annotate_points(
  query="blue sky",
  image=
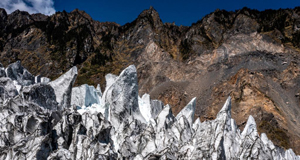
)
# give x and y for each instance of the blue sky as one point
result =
(182, 12)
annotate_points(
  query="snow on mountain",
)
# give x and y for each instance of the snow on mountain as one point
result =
(52, 120)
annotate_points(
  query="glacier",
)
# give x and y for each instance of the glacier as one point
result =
(44, 119)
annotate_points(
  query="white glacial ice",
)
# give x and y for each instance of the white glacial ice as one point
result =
(188, 111)
(117, 124)
(145, 107)
(63, 87)
(85, 95)
(121, 94)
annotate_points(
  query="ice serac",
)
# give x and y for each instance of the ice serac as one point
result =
(45, 80)
(7, 88)
(63, 87)
(188, 111)
(40, 79)
(165, 118)
(196, 124)
(110, 79)
(98, 89)
(32, 126)
(156, 107)
(182, 129)
(85, 95)
(250, 137)
(17, 72)
(122, 97)
(226, 109)
(40, 94)
(37, 79)
(250, 128)
(145, 107)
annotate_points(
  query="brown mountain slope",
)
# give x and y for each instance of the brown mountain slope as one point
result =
(252, 56)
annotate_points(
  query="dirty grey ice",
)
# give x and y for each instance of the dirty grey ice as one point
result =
(44, 119)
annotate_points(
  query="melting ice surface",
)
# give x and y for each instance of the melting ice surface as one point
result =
(43, 119)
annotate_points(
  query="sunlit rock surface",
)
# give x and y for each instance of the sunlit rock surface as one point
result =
(56, 121)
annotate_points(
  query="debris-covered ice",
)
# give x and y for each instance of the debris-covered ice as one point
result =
(43, 119)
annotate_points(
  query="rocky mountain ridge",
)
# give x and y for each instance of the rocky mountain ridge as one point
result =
(250, 55)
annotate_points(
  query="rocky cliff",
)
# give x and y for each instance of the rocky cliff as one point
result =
(250, 55)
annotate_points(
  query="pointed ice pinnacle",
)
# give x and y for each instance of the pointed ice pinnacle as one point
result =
(264, 138)
(145, 107)
(196, 124)
(250, 128)
(110, 79)
(156, 107)
(122, 96)
(63, 87)
(226, 108)
(289, 154)
(98, 89)
(188, 111)
(165, 118)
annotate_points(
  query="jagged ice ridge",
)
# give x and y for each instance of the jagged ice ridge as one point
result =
(43, 119)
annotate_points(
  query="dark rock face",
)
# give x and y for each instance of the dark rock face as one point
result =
(252, 56)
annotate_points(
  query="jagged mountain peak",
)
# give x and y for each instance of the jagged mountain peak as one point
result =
(81, 13)
(19, 12)
(3, 14)
(150, 15)
(151, 12)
